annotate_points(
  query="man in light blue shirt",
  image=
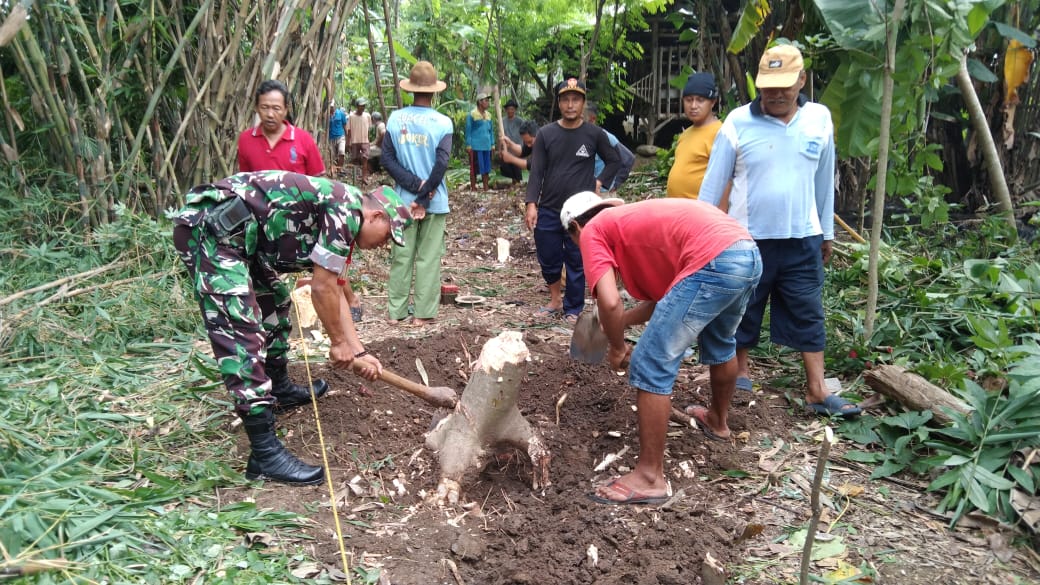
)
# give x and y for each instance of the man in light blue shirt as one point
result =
(779, 153)
(415, 153)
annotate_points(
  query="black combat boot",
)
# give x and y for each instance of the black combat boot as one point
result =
(269, 459)
(289, 395)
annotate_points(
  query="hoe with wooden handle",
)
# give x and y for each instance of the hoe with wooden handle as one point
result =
(436, 395)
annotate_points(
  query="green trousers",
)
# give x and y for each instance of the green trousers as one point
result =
(421, 256)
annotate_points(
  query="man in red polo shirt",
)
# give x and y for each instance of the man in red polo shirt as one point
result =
(275, 143)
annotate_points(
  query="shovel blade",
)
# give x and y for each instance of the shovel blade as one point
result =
(588, 342)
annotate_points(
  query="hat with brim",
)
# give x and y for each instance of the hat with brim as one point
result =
(779, 67)
(423, 79)
(581, 203)
(483, 96)
(571, 84)
(400, 217)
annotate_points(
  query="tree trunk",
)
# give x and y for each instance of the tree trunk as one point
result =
(487, 416)
(997, 182)
(913, 391)
(586, 55)
(393, 53)
(735, 69)
(878, 213)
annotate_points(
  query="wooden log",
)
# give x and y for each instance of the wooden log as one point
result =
(913, 391)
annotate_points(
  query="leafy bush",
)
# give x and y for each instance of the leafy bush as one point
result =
(962, 316)
(983, 449)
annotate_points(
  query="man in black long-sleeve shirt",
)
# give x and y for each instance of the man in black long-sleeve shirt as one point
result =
(563, 163)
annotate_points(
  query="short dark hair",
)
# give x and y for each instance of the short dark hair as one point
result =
(529, 127)
(269, 86)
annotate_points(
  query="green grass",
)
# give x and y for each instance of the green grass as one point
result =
(111, 441)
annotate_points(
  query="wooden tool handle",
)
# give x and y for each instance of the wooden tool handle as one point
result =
(439, 396)
(405, 384)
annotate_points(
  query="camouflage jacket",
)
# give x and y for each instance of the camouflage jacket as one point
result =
(298, 221)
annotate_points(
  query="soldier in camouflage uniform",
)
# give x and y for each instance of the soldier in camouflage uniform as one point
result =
(236, 236)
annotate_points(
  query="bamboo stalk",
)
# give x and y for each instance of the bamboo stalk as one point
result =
(393, 53)
(80, 276)
(8, 120)
(375, 62)
(279, 38)
(67, 294)
(160, 85)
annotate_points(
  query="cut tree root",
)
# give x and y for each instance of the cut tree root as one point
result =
(485, 417)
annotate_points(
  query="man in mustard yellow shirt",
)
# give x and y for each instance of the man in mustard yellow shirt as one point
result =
(694, 147)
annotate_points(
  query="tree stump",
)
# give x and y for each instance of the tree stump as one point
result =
(485, 417)
(913, 391)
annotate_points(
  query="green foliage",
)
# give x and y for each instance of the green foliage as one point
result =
(751, 20)
(525, 46)
(901, 436)
(952, 303)
(981, 449)
(110, 439)
(959, 306)
(931, 40)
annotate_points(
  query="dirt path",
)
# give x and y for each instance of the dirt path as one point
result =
(507, 534)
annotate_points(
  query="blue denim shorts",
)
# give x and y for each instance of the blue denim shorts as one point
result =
(706, 308)
(792, 286)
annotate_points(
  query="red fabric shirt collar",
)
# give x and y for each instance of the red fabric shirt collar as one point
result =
(289, 134)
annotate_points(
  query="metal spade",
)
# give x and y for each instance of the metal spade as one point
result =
(588, 342)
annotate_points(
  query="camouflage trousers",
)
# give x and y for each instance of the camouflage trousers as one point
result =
(245, 308)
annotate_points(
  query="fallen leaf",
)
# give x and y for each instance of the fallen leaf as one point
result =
(1028, 507)
(307, 570)
(999, 545)
(750, 531)
(368, 506)
(850, 490)
(820, 550)
(422, 372)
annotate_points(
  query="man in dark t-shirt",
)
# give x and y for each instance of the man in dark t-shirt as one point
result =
(562, 163)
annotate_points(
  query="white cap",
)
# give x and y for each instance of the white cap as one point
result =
(580, 203)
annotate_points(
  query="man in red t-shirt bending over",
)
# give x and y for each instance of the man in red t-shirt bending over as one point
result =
(693, 269)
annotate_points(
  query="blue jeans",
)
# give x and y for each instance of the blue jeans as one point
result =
(705, 307)
(555, 250)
